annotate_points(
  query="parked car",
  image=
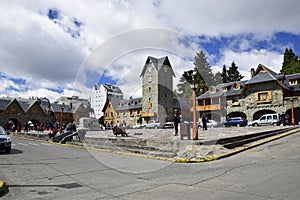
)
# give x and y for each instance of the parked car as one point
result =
(139, 126)
(212, 123)
(267, 119)
(5, 141)
(153, 124)
(168, 125)
(235, 121)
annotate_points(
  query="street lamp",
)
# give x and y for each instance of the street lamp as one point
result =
(61, 115)
(18, 125)
(190, 77)
(292, 112)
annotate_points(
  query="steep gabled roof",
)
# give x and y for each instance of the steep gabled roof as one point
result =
(262, 74)
(4, 103)
(157, 63)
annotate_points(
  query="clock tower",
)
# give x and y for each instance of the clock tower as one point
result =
(157, 86)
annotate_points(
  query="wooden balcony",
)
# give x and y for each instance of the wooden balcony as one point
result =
(149, 114)
(209, 107)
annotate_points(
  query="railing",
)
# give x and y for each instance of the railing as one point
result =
(209, 107)
(149, 114)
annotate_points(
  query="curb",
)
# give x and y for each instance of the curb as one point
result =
(175, 160)
(236, 151)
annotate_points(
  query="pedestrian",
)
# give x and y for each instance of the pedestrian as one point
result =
(204, 122)
(176, 121)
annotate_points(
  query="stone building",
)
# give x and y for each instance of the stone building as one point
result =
(157, 84)
(265, 92)
(157, 102)
(16, 112)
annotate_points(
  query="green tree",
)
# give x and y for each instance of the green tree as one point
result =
(184, 89)
(233, 73)
(204, 76)
(224, 75)
(291, 62)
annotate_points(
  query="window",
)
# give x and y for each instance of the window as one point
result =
(236, 86)
(293, 82)
(149, 79)
(213, 89)
(224, 89)
(166, 69)
(263, 97)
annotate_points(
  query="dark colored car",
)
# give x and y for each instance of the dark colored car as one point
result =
(235, 121)
(5, 141)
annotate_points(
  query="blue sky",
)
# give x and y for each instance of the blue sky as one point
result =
(61, 48)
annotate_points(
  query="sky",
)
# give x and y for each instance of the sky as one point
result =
(62, 48)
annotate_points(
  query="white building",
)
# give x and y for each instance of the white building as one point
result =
(100, 93)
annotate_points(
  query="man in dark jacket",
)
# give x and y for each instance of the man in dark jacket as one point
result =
(176, 121)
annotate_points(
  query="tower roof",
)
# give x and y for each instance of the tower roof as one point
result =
(157, 63)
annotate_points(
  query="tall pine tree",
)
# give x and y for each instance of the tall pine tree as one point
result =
(291, 62)
(204, 76)
(233, 73)
(224, 75)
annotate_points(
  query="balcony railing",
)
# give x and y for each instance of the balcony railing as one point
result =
(149, 114)
(208, 107)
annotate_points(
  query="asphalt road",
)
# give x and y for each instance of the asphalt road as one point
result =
(36, 170)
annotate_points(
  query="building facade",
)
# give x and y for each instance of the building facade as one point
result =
(100, 94)
(16, 112)
(157, 102)
(157, 83)
(265, 92)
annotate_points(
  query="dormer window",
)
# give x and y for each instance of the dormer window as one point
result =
(213, 89)
(293, 82)
(224, 89)
(236, 86)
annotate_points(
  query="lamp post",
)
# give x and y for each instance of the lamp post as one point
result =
(190, 77)
(292, 112)
(18, 125)
(61, 115)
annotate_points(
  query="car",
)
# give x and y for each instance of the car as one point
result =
(212, 123)
(153, 124)
(267, 119)
(5, 141)
(139, 126)
(235, 121)
(168, 125)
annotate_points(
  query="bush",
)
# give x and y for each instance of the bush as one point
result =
(3, 189)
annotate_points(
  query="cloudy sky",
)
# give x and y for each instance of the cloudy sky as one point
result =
(62, 48)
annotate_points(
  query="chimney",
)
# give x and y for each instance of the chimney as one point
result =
(252, 72)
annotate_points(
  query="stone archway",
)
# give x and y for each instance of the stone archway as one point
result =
(296, 115)
(237, 114)
(260, 113)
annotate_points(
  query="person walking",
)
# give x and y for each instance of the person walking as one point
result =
(176, 121)
(204, 122)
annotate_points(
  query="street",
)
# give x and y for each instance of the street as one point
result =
(39, 170)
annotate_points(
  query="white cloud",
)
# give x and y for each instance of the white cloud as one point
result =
(247, 60)
(43, 53)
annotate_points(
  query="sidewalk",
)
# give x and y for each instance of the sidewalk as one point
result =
(163, 143)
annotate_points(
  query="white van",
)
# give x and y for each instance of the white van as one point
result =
(267, 119)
